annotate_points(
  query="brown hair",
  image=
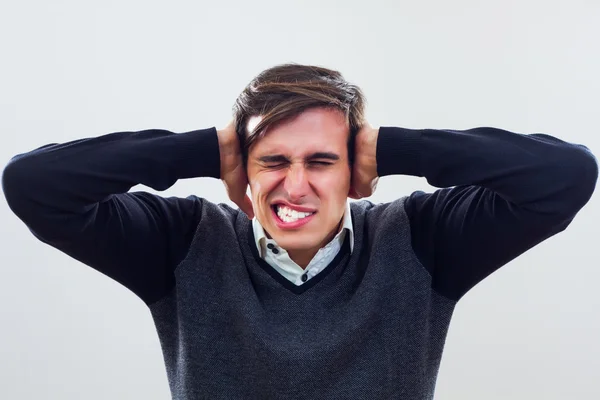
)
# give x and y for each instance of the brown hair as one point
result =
(280, 93)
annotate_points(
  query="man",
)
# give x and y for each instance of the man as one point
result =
(299, 294)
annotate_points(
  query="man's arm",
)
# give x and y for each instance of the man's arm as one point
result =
(73, 196)
(503, 193)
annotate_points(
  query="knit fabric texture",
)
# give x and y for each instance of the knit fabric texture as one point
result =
(368, 326)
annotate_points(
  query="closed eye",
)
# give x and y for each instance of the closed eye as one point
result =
(320, 163)
(275, 166)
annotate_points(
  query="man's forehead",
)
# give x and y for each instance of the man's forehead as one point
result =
(308, 150)
(318, 131)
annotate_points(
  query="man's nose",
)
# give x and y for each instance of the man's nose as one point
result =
(296, 183)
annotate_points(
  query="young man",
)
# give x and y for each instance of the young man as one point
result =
(301, 295)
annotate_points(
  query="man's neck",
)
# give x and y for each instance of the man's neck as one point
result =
(304, 256)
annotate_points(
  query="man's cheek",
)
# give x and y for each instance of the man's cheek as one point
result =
(255, 189)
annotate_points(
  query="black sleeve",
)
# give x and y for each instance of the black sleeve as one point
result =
(74, 196)
(502, 193)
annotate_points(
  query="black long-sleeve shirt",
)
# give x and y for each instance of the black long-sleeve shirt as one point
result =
(501, 194)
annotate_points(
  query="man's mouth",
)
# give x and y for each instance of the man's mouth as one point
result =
(289, 215)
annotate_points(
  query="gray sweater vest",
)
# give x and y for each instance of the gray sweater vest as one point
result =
(368, 326)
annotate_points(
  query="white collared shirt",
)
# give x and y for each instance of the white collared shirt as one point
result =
(279, 259)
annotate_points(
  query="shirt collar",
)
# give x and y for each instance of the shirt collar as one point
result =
(260, 238)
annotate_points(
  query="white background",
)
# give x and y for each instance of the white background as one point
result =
(70, 69)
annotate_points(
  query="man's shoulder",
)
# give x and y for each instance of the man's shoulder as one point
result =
(213, 212)
(216, 223)
(375, 219)
(369, 209)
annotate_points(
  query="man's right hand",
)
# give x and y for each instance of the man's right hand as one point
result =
(233, 173)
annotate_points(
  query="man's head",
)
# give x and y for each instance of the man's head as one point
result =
(296, 125)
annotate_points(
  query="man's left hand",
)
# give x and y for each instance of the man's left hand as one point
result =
(364, 172)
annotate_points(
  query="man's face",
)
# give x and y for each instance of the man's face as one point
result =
(300, 177)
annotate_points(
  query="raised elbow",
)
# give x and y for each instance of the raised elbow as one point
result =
(14, 181)
(584, 178)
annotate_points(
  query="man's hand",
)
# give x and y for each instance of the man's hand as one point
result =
(233, 173)
(364, 171)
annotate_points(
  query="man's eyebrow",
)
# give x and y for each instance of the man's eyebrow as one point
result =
(323, 155)
(275, 158)
(279, 158)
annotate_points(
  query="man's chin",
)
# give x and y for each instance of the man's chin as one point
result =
(290, 243)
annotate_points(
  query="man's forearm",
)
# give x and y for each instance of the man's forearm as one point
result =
(71, 177)
(538, 172)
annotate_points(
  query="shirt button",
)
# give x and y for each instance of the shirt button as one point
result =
(274, 250)
(270, 245)
(304, 278)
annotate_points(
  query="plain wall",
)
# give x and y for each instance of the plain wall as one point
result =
(74, 69)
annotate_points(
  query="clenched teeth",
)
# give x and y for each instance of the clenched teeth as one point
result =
(288, 215)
